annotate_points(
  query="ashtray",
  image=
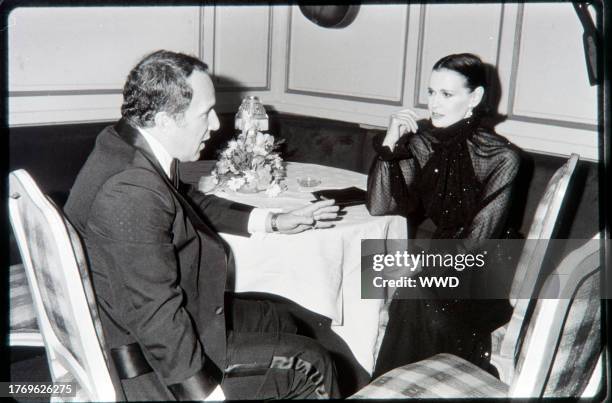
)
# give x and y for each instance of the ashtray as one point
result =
(308, 182)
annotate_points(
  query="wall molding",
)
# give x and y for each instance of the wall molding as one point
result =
(33, 110)
(214, 40)
(103, 91)
(66, 122)
(36, 93)
(555, 122)
(420, 39)
(513, 85)
(228, 88)
(201, 32)
(346, 97)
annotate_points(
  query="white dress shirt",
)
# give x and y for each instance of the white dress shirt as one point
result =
(258, 217)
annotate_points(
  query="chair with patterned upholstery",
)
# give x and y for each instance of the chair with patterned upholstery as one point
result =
(61, 292)
(23, 329)
(555, 357)
(530, 265)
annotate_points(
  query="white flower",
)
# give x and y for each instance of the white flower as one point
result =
(249, 159)
(250, 176)
(258, 161)
(235, 183)
(273, 190)
(260, 150)
(222, 167)
(260, 138)
(231, 146)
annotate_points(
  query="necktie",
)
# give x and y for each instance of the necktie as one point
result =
(174, 171)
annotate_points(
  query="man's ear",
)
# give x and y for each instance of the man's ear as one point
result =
(477, 95)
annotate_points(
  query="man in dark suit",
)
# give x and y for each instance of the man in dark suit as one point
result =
(159, 268)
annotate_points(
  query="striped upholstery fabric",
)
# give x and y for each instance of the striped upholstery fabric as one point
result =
(441, 376)
(22, 313)
(53, 289)
(22, 317)
(580, 344)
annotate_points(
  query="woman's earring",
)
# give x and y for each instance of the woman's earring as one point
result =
(468, 114)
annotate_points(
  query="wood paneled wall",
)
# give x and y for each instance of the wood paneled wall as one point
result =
(68, 64)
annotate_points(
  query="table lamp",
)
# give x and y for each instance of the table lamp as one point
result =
(251, 115)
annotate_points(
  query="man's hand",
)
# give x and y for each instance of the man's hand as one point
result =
(308, 217)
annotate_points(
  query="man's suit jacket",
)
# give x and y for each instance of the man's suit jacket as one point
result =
(159, 277)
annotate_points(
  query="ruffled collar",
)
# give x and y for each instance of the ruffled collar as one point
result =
(444, 137)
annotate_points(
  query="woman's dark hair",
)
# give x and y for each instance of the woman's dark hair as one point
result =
(158, 83)
(468, 65)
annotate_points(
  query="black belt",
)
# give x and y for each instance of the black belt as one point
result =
(130, 361)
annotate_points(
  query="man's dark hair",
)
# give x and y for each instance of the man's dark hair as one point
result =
(158, 83)
(468, 65)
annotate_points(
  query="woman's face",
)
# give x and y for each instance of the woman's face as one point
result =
(449, 99)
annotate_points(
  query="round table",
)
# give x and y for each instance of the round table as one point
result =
(318, 269)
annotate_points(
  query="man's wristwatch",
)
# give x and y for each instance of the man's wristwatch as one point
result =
(273, 222)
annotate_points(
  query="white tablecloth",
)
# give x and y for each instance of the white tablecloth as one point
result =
(318, 269)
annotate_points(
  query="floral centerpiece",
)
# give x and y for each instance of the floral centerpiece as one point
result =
(250, 162)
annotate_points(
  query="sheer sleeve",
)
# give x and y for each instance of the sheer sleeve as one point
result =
(496, 169)
(389, 179)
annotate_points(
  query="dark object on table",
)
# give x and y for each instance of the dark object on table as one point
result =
(343, 197)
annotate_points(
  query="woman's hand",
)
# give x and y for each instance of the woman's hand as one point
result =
(400, 123)
(308, 217)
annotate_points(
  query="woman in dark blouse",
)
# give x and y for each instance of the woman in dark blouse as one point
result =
(452, 170)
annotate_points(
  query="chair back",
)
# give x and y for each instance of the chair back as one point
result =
(61, 291)
(529, 267)
(560, 355)
(562, 341)
(541, 231)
